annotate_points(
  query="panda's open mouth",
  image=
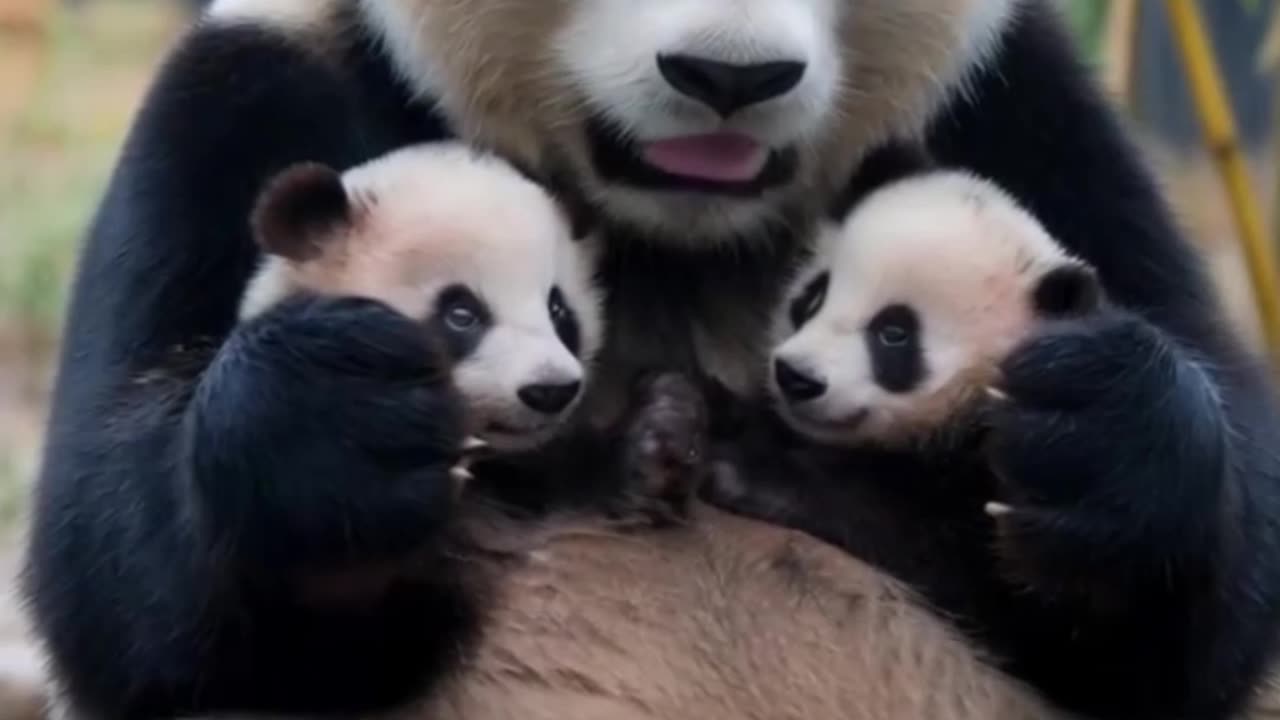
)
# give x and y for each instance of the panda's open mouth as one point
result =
(715, 163)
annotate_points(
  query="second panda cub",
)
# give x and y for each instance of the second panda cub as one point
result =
(895, 329)
(479, 253)
(886, 362)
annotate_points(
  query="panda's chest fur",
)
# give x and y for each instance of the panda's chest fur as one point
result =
(701, 312)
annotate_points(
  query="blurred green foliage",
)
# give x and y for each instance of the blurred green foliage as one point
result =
(1087, 18)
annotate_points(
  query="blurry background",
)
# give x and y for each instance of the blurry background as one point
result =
(72, 71)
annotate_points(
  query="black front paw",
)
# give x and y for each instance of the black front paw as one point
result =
(325, 437)
(763, 471)
(1109, 443)
(665, 444)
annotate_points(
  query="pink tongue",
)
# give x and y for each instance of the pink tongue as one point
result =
(721, 157)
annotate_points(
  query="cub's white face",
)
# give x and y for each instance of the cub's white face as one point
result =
(700, 119)
(485, 258)
(903, 315)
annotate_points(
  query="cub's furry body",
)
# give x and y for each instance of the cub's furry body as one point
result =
(144, 615)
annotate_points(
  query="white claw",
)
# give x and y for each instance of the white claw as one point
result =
(461, 474)
(995, 509)
(473, 444)
(996, 394)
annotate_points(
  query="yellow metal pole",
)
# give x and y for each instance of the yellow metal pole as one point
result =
(1269, 65)
(1219, 128)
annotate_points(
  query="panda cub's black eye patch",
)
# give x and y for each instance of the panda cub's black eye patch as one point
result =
(893, 343)
(565, 321)
(461, 318)
(809, 301)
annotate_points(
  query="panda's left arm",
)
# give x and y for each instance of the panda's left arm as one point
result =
(1140, 449)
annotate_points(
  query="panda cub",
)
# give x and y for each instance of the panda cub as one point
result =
(890, 340)
(483, 255)
(896, 327)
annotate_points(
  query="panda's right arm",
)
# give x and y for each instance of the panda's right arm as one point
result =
(191, 501)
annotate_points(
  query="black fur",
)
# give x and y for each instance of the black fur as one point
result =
(173, 519)
(809, 301)
(1138, 574)
(176, 511)
(898, 361)
(1067, 291)
(565, 320)
(460, 341)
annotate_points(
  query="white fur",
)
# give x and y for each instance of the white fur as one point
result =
(982, 42)
(962, 254)
(21, 664)
(283, 14)
(988, 19)
(617, 74)
(610, 49)
(439, 215)
(511, 80)
(402, 40)
(269, 285)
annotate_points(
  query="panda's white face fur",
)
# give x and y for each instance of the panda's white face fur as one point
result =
(472, 248)
(697, 119)
(907, 308)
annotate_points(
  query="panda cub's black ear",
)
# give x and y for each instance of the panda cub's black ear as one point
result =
(299, 210)
(1069, 290)
(890, 162)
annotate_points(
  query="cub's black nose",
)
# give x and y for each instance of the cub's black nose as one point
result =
(797, 386)
(726, 87)
(549, 398)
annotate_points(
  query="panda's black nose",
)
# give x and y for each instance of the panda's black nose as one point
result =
(549, 398)
(727, 87)
(796, 385)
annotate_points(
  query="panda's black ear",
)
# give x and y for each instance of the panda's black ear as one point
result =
(892, 161)
(1069, 290)
(301, 208)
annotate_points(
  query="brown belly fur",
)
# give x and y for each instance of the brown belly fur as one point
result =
(722, 618)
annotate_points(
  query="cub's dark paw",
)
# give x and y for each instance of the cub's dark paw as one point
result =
(1108, 443)
(665, 445)
(763, 496)
(762, 470)
(327, 435)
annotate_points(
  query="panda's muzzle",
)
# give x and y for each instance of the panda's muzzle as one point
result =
(619, 158)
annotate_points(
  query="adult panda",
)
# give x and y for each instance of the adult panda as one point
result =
(709, 134)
